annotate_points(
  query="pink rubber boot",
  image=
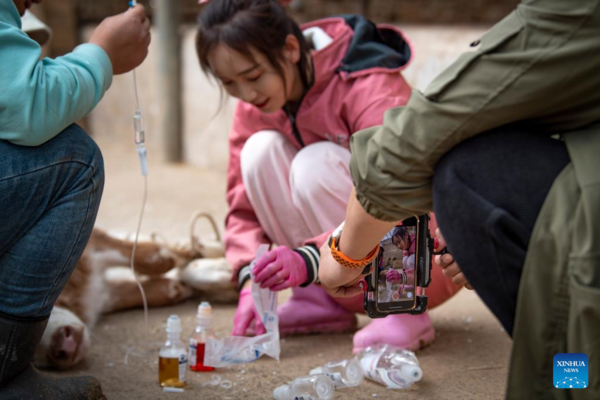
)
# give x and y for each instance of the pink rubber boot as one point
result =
(312, 310)
(411, 332)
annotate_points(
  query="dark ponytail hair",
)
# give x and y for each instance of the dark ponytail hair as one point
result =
(400, 231)
(246, 24)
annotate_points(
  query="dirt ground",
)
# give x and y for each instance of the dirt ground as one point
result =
(468, 360)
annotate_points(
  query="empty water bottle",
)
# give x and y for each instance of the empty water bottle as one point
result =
(345, 373)
(311, 387)
(390, 366)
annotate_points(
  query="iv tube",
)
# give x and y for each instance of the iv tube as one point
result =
(137, 234)
(139, 138)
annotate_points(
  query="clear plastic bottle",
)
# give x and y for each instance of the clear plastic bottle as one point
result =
(345, 373)
(390, 366)
(172, 361)
(198, 338)
(310, 387)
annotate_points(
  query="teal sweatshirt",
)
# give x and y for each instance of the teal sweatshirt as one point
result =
(40, 98)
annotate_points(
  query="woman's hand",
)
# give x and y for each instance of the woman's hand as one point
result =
(246, 314)
(393, 276)
(280, 269)
(339, 281)
(450, 267)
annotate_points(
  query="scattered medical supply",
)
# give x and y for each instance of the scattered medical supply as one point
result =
(215, 380)
(198, 338)
(390, 366)
(172, 361)
(345, 373)
(167, 389)
(226, 384)
(306, 387)
(240, 350)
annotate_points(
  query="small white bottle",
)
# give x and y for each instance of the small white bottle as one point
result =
(310, 387)
(345, 373)
(172, 360)
(198, 338)
(390, 366)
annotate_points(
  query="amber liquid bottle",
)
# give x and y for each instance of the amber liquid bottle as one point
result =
(198, 338)
(172, 360)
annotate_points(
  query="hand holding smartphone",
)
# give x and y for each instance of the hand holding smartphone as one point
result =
(402, 265)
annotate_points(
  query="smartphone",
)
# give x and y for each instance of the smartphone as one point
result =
(401, 267)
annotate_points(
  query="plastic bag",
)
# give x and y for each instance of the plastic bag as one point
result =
(240, 349)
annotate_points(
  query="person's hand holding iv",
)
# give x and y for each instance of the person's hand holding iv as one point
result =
(125, 38)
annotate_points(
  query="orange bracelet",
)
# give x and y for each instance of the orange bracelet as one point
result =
(346, 261)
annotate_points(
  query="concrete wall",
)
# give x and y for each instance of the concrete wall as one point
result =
(412, 11)
(406, 11)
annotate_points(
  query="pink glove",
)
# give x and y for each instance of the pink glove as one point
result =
(280, 269)
(246, 314)
(392, 276)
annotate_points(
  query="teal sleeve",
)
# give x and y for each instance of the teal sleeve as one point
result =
(40, 98)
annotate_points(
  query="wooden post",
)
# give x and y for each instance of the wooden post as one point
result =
(169, 79)
(364, 7)
(61, 16)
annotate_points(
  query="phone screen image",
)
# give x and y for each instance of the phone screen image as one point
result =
(396, 269)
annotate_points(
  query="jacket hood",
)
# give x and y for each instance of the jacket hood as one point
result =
(374, 46)
(359, 47)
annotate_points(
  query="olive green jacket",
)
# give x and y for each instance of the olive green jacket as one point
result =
(538, 69)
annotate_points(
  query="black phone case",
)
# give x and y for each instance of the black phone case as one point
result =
(423, 278)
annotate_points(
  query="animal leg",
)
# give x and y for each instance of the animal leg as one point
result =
(160, 292)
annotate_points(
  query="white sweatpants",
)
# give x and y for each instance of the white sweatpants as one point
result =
(296, 194)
